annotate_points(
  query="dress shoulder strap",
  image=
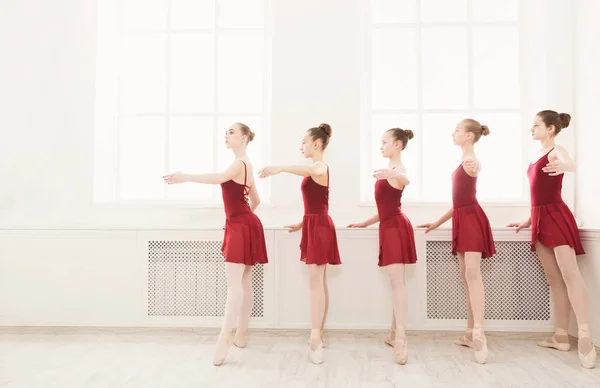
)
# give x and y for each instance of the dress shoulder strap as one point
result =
(245, 171)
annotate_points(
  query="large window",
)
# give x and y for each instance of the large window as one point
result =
(432, 63)
(172, 76)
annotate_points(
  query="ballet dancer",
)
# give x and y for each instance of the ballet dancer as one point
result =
(244, 240)
(396, 235)
(472, 237)
(318, 246)
(555, 236)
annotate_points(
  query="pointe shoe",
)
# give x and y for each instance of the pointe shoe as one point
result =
(588, 360)
(401, 351)
(221, 351)
(389, 341)
(464, 341)
(322, 340)
(240, 341)
(316, 356)
(481, 355)
(552, 343)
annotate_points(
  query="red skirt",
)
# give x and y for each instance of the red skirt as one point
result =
(396, 241)
(244, 240)
(319, 240)
(554, 225)
(471, 231)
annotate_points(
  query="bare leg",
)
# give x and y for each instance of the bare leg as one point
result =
(399, 302)
(317, 302)
(578, 296)
(235, 273)
(240, 339)
(562, 306)
(476, 296)
(392, 337)
(326, 304)
(467, 339)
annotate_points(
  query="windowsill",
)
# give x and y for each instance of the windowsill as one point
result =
(444, 231)
(196, 205)
(519, 204)
(160, 205)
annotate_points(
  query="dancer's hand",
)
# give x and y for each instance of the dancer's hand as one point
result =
(358, 225)
(269, 171)
(429, 227)
(555, 168)
(176, 177)
(385, 173)
(294, 228)
(519, 226)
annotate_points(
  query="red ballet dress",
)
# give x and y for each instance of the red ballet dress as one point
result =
(244, 239)
(471, 230)
(319, 240)
(396, 234)
(552, 223)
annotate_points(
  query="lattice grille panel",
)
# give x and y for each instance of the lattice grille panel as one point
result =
(187, 278)
(514, 282)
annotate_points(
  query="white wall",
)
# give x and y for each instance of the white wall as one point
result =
(587, 100)
(46, 108)
(102, 278)
(587, 86)
(47, 113)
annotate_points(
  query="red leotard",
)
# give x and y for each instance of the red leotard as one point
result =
(319, 240)
(552, 223)
(396, 234)
(244, 240)
(471, 231)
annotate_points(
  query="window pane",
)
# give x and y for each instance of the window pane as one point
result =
(191, 150)
(394, 11)
(105, 140)
(410, 155)
(192, 73)
(445, 68)
(241, 72)
(444, 10)
(496, 67)
(107, 93)
(144, 15)
(192, 14)
(501, 177)
(241, 13)
(394, 69)
(495, 10)
(142, 158)
(440, 155)
(257, 149)
(143, 74)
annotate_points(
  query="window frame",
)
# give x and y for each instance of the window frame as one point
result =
(112, 131)
(367, 112)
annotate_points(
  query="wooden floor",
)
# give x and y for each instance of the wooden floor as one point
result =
(148, 358)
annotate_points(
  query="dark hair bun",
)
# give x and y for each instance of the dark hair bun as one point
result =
(409, 133)
(565, 119)
(485, 130)
(326, 128)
